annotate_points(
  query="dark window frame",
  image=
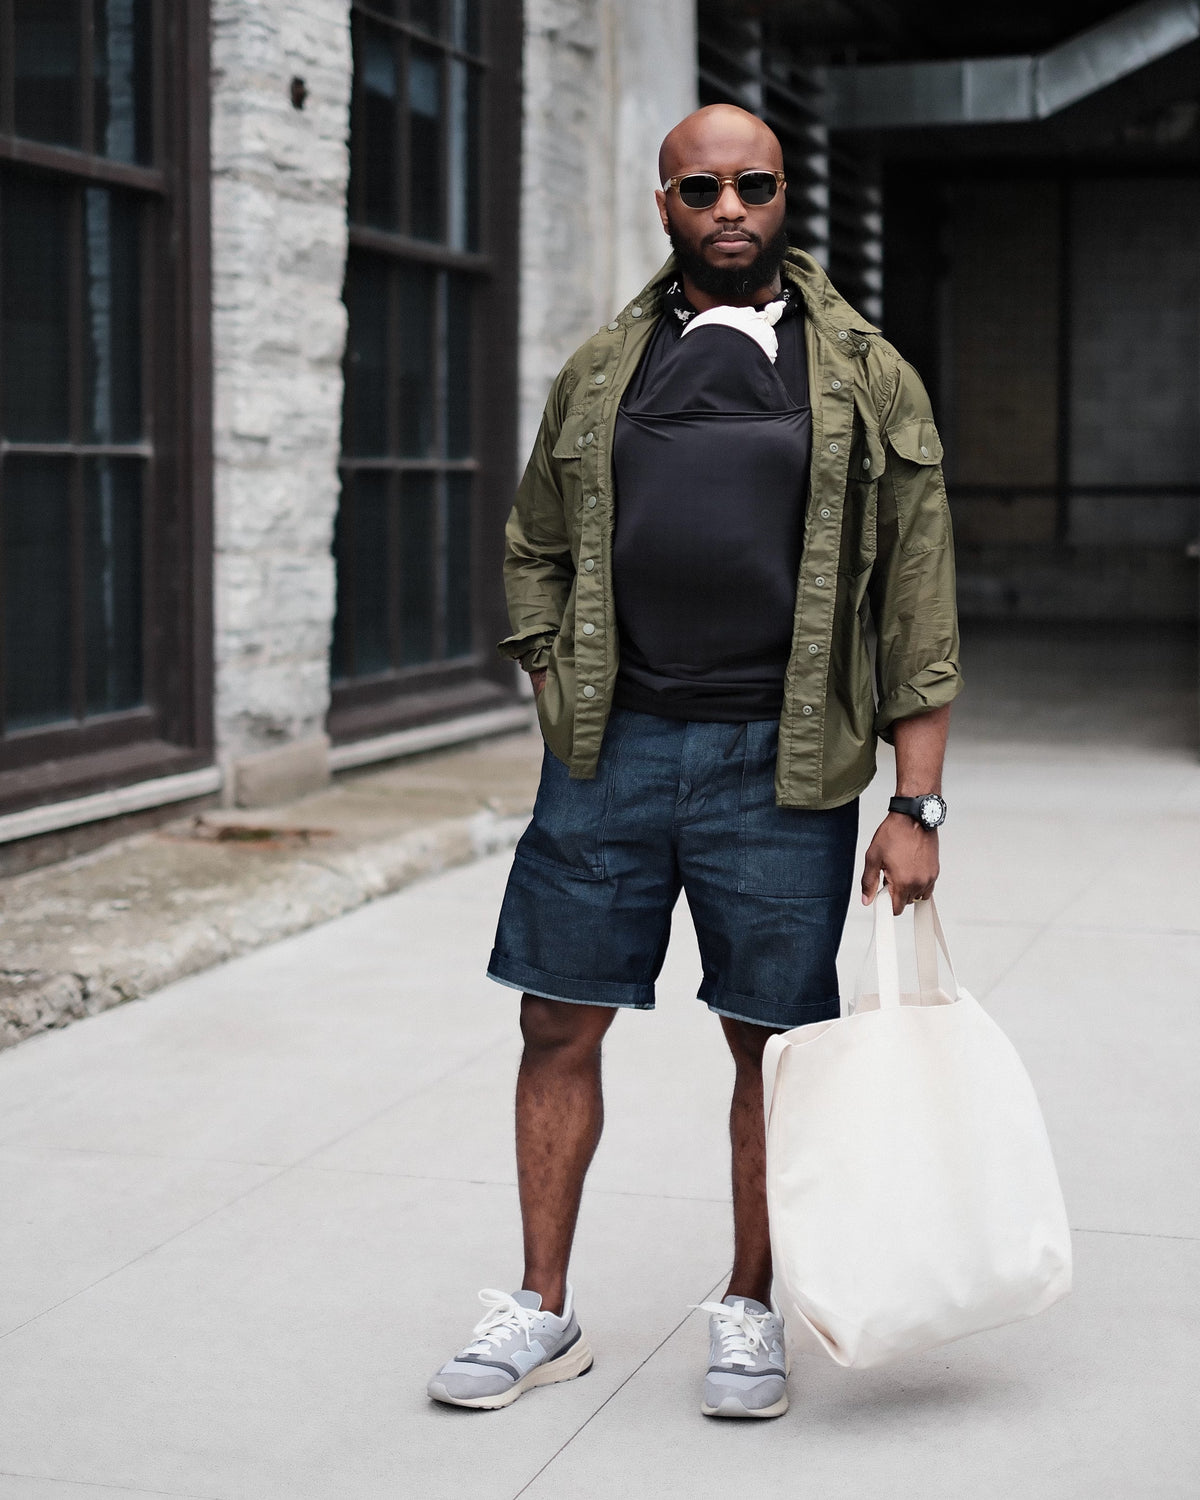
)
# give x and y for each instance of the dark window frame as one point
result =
(399, 696)
(173, 732)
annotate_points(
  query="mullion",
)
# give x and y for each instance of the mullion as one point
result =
(403, 134)
(7, 76)
(152, 688)
(394, 563)
(440, 376)
(87, 77)
(76, 430)
(358, 138)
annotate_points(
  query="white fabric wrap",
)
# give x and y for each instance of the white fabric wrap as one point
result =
(756, 323)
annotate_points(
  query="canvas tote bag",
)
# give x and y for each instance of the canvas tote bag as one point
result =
(912, 1194)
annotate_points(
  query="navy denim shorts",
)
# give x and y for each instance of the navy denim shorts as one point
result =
(679, 805)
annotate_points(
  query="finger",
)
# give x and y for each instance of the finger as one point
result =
(901, 896)
(870, 879)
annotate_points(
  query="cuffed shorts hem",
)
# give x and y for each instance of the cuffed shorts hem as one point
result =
(747, 1008)
(518, 976)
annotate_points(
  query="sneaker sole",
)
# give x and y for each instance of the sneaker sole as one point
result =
(732, 1407)
(569, 1366)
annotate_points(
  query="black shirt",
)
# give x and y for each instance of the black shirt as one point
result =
(711, 457)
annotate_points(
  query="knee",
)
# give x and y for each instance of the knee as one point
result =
(554, 1029)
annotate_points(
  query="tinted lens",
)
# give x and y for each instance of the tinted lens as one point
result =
(756, 188)
(700, 190)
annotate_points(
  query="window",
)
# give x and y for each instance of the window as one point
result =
(103, 415)
(427, 441)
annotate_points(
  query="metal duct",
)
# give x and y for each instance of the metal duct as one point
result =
(1000, 90)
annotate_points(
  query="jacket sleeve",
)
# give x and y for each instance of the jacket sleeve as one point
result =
(912, 585)
(538, 566)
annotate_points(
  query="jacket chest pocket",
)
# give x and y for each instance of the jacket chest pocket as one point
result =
(867, 462)
(575, 440)
(921, 508)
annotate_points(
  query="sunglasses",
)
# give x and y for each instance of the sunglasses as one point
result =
(702, 189)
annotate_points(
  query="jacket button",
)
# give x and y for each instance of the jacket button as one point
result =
(590, 565)
(812, 650)
(613, 326)
(825, 514)
(806, 710)
(589, 629)
(589, 437)
(843, 335)
(590, 692)
(635, 312)
(837, 385)
(819, 581)
(833, 448)
(924, 451)
(866, 463)
(591, 502)
(600, 379)
(579, 442)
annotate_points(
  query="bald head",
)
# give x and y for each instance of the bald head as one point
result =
(715, 135)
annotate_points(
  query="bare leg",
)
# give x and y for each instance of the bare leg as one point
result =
(560, 1113)
(751, 1274)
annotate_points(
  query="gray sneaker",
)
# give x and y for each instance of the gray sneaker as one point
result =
(514, 1346)
(747, 1360)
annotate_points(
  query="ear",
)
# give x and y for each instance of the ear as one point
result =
(661, 199)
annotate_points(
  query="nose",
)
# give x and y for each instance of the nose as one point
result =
(728, 206)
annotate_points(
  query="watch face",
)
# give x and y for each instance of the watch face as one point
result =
(932, 811)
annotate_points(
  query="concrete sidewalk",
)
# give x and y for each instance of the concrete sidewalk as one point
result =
(242, 1220)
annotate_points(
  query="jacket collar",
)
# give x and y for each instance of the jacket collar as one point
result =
(825, 307)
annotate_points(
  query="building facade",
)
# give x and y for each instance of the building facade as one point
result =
(282, 290)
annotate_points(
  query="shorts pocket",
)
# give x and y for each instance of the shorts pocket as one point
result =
(569, 818)
(789, 851)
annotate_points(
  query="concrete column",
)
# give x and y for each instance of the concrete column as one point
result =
(279, 249)
(604, 82)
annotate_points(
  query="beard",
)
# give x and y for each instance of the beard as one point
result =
(731, 283)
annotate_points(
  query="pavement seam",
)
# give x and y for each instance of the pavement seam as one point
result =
(237, 1198)
(104, 1484)
(666, 1338)
(1140, 1234)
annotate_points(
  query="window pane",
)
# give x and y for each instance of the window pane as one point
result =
(425, 168)
(458, 564)
(46, 37)
(464, 24)
(426, 14)
(34, 296)
(121, 69)
(463, 184)
(365, 424)
(112, 582)
(458, 367)
(35, 527)
(416, 288)
(375, 119)
(112, 318)
(366, 553)
(417, 535)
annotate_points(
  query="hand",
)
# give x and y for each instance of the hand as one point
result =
(538, 680)
(907, 855)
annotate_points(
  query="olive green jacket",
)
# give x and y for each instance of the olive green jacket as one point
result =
(877, 551)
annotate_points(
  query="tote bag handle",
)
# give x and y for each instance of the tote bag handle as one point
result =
(928, 936)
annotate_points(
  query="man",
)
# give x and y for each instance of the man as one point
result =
(730, 478)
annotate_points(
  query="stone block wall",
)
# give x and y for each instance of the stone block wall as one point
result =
(604, 82)
(279, 248)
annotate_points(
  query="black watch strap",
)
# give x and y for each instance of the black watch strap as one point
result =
(911, 808)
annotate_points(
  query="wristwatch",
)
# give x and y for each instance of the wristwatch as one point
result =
(928, 811)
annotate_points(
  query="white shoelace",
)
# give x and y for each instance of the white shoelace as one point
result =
(739, 1329)
(504, 1314)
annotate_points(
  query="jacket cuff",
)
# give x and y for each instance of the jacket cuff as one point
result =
(933, 687)
(529, 647)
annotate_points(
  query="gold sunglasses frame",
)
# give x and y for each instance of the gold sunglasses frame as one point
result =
(734, 178)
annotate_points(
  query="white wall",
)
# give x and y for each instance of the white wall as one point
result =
(604, 82)
(279, 250)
